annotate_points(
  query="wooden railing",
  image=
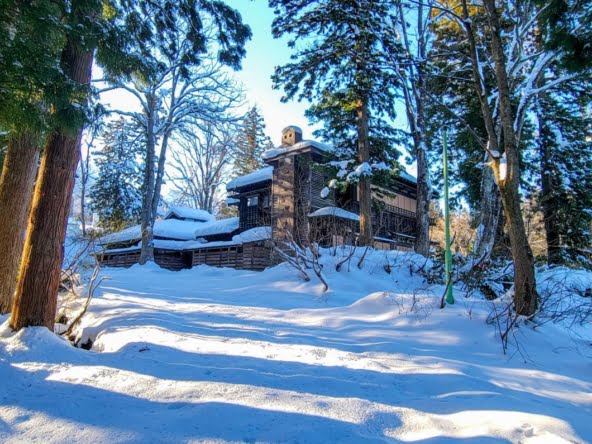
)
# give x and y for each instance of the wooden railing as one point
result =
(388, 220)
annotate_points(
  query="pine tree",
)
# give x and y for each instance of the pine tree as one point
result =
(251, 142)
(346, 46)
(116, 194)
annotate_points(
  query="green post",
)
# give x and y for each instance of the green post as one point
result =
(447, 254)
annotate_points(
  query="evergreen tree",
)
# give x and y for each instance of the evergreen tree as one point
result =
(345, 47)
(251, 142)
(116, 194)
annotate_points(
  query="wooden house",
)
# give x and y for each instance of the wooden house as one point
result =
(286, 201)
(290, 194)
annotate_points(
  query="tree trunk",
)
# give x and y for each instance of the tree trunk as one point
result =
(16, 191)
(159, 176)
(489, 215)
(39, 275)
(525, 293)
(364, 185)
(549, 202)
(147, 225)
(422, 240)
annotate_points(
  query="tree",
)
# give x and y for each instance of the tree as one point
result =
(346, 47)
(251, 141)
(412, 78)
(39, 275)
(116, 194)
(176, 83)
(200, 166)
(28, 53)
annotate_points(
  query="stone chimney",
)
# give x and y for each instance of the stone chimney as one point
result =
(291, 135)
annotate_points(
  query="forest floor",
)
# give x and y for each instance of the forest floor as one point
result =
(219, 355)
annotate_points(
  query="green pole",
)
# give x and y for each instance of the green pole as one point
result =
(447, 254)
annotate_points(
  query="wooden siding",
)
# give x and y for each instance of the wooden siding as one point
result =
(122, 259)
(249, 256)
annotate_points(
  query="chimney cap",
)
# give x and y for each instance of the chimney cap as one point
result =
(292, 128)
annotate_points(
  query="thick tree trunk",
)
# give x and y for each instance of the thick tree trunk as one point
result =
(147, 224)
(525, 293)
(364, 184)
(16, 192)
(39, 275)
(489, 216)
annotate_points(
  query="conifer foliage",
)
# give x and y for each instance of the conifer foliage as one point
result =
(116, 194)
(251, 142)
(346, 46)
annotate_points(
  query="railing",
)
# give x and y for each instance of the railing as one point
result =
(388, 220)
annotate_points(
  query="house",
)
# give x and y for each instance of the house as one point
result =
(290, 195)
(286, 201)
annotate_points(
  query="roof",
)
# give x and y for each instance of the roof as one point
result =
(180, 230)
(262, 175)
(284, 149)
(252, 235)
(335, 212)
(293, 128)
(190, 213)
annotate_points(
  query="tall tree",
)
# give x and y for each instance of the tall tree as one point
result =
(116, 194)
(251, 141)
(29, 48)
(411, 71)
(39, 275)
(346, 45)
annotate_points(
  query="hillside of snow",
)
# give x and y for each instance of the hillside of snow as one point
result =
(220, 355)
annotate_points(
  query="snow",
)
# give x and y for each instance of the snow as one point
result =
(335, 212)
(285, 149)
(253, 235)
(191, 213)
(175, 229)
(221, 355)
(252, 178)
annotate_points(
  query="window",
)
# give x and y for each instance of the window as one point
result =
(266, 201)
(252, 201)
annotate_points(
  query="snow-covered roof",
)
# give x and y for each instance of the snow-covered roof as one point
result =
(253, 235)
(407, 176)
(248, 179)
(181, 230)
(292, 128)
(190, 213)
(335, 212)
(284, 149)
(222, 226)
(129, 234)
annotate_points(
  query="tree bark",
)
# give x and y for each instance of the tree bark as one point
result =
(525, 293)
(16, 191)
(39, 275)
(147, 224)
(364, 185)
(489, 216)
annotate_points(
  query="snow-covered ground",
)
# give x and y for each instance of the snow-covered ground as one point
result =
(218, 355)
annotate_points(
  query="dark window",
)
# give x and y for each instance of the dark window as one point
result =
(266, 201)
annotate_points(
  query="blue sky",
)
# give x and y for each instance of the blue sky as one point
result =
(264, 53)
